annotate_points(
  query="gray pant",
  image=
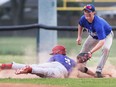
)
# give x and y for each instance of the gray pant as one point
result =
(90, 43)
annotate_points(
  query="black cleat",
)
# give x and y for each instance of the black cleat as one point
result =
(99, 75)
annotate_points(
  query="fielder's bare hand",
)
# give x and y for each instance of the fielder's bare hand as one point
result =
(79, 40)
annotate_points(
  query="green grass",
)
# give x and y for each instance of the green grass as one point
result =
(19, 58)
(16, 45)
(85, 82)
(20, 45)
(18, 48)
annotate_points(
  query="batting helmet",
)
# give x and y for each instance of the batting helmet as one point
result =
(58, 50)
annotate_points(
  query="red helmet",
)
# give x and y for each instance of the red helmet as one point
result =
(58, 50)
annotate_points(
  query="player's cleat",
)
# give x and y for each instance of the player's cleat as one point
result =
(24, 70)
(99, 75)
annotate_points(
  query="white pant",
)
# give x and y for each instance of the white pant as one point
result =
(90, 43)
(49, 70)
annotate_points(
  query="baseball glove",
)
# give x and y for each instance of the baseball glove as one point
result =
(83, 57)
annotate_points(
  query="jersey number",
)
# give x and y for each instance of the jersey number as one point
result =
(68, 61)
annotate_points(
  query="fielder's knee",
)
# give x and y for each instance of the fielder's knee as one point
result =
(106, 51)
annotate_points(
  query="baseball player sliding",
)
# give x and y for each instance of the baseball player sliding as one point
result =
(58, 66)
(100, 36)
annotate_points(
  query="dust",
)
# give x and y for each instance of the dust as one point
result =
(30, 56)
(109, 71)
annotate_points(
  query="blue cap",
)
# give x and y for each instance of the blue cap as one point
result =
(89, 7)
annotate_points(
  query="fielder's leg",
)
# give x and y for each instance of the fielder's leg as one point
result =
(87, 46)
(104, 56)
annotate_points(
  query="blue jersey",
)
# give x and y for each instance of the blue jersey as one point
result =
(98, 29)
(64, 60)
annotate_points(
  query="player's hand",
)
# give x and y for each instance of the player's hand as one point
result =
(79, 41)
(90, 54)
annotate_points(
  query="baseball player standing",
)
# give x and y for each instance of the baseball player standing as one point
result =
(100, 36)
(58, 66)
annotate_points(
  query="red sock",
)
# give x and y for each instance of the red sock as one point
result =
(6, 66)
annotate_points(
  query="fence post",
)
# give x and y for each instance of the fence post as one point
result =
(47, 14)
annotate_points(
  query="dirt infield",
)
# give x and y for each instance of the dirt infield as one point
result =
(75, 74)
(11, 74)
(24, 85)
